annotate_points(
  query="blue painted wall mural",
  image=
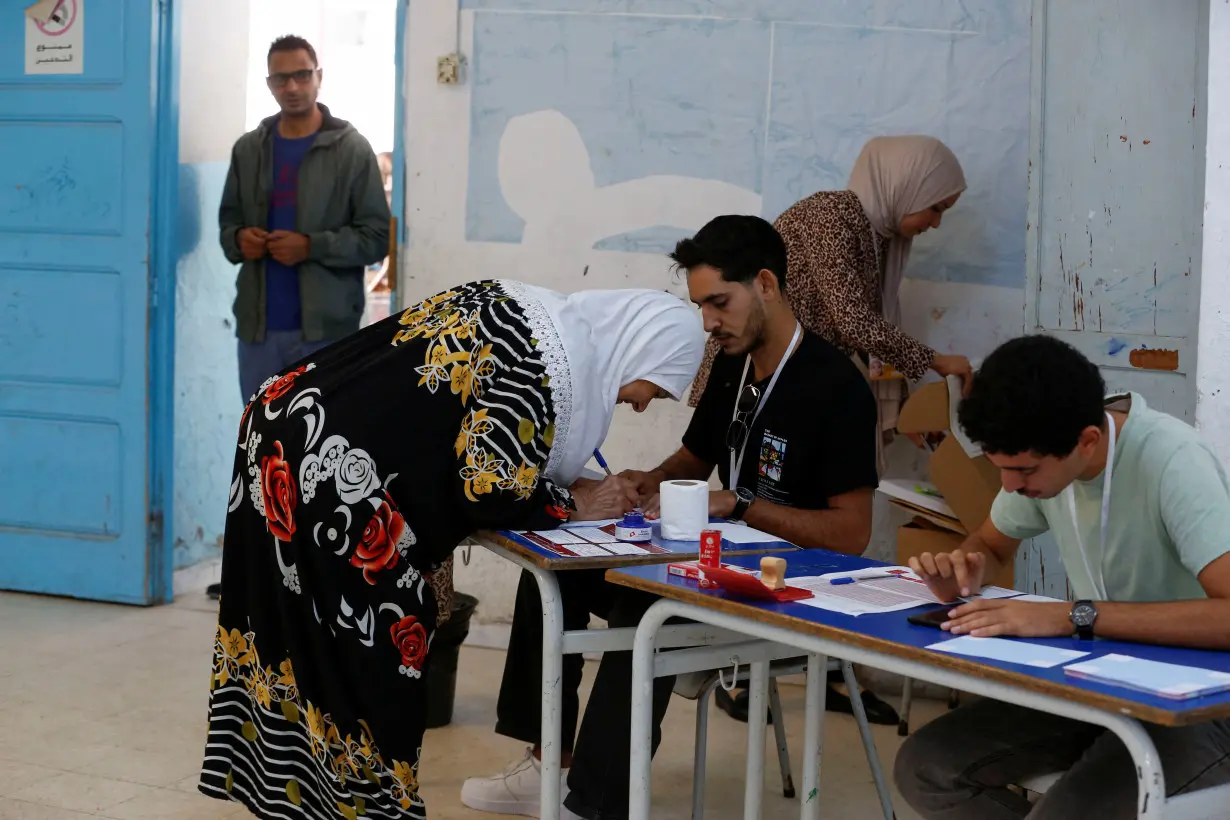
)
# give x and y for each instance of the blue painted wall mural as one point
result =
(775, 98)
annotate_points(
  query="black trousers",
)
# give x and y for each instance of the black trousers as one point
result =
(598, 779)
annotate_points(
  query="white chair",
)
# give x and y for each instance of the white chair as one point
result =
(1035, 787)
(789, 667)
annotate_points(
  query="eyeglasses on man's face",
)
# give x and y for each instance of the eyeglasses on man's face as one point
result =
(282, 79)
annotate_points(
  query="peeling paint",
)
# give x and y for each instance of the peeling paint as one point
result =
(1115, 346)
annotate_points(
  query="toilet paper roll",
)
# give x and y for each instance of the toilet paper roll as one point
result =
(685, 509)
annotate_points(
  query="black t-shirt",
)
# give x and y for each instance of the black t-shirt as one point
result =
(814, 437)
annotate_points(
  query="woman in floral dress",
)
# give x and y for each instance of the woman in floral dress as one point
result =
(357, 472)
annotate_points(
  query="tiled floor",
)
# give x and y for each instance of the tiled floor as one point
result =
(102, 714)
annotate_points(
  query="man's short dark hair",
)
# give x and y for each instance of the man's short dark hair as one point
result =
(1033, 394)
(738, 246)
(292, 42)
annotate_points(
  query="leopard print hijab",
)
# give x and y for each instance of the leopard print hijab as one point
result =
(895, 176)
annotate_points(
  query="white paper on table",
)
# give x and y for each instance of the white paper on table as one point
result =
(588, 550)
(561, 538)
(1166, 679)
(871, 596)
(624, 548)
(603, 522)
(737, 533)
(593, 535)
(1000, 649)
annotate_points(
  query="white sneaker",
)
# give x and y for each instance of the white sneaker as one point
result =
(517, 791)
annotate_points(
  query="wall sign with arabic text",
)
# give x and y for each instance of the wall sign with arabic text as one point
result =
(55, 37)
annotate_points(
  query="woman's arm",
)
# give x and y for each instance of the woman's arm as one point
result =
(502, 450)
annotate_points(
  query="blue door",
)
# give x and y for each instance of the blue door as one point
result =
(86, 266)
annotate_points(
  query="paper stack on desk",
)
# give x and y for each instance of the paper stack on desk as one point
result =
(1010, 651)
(1169, 680)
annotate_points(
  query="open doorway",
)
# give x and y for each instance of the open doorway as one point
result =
(224, 93)
(356, 43)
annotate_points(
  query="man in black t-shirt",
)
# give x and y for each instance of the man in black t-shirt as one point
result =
(784, 408)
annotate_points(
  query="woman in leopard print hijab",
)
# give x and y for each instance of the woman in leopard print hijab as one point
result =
(846, 254)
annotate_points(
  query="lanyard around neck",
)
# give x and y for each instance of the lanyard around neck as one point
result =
(1098, 582)
(736, 459)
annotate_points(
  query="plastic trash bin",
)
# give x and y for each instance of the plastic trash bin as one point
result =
(442, 661)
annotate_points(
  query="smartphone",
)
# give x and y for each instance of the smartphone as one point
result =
(933, 618)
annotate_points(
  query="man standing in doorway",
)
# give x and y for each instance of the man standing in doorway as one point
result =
(304, 212)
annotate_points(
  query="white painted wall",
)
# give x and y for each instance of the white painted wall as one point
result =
(213, 78)
(213, 92)
(1213, 357)
(547, 178)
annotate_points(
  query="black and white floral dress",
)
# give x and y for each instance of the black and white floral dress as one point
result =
(358, 472)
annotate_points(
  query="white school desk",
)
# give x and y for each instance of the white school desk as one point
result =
(889, 642)
(556, 642)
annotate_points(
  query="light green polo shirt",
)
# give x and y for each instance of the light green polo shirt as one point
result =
(1169, 513)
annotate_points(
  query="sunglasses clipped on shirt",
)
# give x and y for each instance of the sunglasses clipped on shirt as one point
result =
(301, 77)
(736, 433)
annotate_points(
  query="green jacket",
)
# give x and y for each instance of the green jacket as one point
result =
(341, 209)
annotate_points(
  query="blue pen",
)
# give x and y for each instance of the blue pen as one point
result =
(848, 580)
(602, 462)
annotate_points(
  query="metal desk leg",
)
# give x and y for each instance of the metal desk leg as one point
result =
(869, 744)
(779, 735)
(640, 776)
(552, 691)
(756, 719)
(813, 734)
(1152, 783)
(702, 749)
(907, 699)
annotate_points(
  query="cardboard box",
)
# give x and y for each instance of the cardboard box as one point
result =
(968, 485)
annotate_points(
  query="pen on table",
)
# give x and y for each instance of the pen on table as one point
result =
(602, 462)
(850, 580)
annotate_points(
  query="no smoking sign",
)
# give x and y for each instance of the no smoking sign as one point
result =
(61, 19)
(55, 37)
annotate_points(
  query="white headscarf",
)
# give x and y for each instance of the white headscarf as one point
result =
(610, 338)
(895, 176)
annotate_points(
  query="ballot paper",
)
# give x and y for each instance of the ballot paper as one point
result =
(869, 594)
(736, 533)
(1009, 651)
(589, 539)
(561, 537)
(1170, 680)
(593, 535)
(903, 590)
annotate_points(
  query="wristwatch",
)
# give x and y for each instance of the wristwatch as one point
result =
(1082, 616)
(743, 499)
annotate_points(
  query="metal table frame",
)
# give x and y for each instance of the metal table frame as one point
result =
(647, 664)
(557, 642)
